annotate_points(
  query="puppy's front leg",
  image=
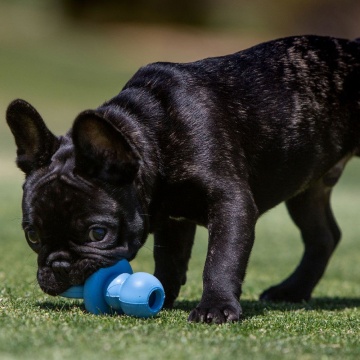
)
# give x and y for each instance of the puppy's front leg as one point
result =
(231, 227)
(172, 250)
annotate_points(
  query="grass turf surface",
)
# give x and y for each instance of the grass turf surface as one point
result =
(61, 71)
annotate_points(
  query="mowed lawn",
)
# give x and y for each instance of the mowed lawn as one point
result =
(63, 69)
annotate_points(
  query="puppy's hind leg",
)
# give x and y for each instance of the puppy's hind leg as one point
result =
(311, 212)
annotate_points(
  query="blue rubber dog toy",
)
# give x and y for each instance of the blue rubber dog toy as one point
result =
(117, 289)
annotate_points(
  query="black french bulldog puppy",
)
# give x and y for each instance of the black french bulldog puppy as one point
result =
(216, 142)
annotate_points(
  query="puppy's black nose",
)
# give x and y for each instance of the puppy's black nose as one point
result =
(61, 269)
(60, 265)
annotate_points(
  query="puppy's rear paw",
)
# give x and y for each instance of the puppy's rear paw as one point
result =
(281, 293)
(215, 315)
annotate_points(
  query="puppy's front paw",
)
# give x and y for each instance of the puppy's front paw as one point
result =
(216, 314)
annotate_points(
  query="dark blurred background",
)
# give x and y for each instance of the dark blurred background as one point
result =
(330, 17)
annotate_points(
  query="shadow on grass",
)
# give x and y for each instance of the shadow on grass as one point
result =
(57, 306)
(252, 308)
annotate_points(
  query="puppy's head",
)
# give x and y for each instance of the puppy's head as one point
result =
(81, 210)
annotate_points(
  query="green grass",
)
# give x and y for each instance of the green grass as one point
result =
(63, 69)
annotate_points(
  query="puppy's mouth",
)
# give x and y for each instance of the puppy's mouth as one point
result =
(59, 271)
(55, 279)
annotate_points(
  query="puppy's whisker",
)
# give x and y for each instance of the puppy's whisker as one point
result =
(17, 221)
(148, 248)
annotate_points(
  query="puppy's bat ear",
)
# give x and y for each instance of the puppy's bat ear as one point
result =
(35, 142)
(101, 150)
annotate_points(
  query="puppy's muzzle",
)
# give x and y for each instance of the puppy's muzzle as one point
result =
(60, 263)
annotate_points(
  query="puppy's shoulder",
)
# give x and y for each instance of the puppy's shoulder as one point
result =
(158, 75)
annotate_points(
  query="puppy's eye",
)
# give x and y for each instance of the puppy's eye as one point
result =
(97, 234)
(33, 237)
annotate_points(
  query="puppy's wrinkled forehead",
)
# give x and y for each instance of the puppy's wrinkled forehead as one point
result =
(58, 192)
(57, 195)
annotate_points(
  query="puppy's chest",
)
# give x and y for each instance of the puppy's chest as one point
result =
(183, 201)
